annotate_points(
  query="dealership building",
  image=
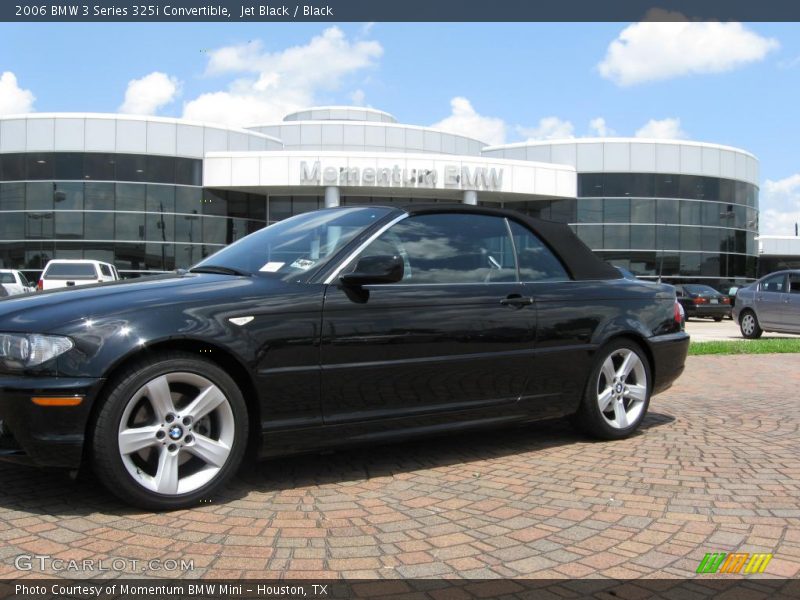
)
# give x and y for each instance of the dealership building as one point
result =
(154, 194)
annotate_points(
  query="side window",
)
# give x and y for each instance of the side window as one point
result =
(7, 278)
(105, 270)
(776, 283)
(450, 248)
(794, 283)
(536, 261)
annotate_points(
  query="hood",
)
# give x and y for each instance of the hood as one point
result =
(49, 311)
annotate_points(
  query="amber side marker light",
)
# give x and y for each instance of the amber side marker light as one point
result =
(73, 401)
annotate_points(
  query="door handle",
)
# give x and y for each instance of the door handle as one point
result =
(516, 300)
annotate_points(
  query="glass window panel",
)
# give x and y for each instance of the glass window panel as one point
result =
(68, 196)
(591, 235)
(536, 261)
(668, 238)
(214, 230)
(160, 227)
(70, 252)
(160, 257)
(12, 226)
(616, 210)
(740, 192)
(690, 238)
(740, 216)
(643, 211)
(256, 207)
(99, 225)
(667, 185)
(643, 237)
(99, 166)
(752, 195)
(215, 203)
(39, 225)
(709, 267)
(129, 196)
(129, 226)
(188, 171)
(131, 167)
(101, 252)
(161, 169)
(188, 228)
(563, 211)
(239, 229)
(691, 212)
(160, 198)
(740, 241)
(690, 263)
(12, 167)
(12, 196)
(187, 255)
(39, 196)
(98, 196)
(691, 186)
(69, 165)
(69, 225)
(188, 200)
(616, 236)
(237, 204)
(590, 185)
(726, 191)
(710, 240)
(129, 257)
(590, 211)
(616, 184)
(710, 188)
(40, 165)
(668, 211)
(303, 204)
(280, 207)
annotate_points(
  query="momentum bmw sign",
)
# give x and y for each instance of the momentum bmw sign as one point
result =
(452, 176)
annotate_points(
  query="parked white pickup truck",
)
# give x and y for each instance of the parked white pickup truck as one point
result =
(15, 282)
(61, 273)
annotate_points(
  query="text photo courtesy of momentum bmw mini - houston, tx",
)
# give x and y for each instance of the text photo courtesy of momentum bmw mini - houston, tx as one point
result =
(328, 304)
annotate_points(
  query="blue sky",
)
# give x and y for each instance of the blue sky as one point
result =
(736, 86)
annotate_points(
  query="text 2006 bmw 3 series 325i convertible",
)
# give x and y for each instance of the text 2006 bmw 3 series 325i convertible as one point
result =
(345, 325)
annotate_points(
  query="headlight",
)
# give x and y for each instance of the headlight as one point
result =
(29, 350)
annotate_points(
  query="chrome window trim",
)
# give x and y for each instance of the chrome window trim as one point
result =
(346, 262)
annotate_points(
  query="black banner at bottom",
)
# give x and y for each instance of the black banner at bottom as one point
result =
(400, 589)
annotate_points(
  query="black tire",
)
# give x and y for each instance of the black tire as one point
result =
(749, 326)
(106, 454)
(717, 319)
(589, 417)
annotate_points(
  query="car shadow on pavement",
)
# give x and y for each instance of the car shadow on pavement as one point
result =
(25, 490)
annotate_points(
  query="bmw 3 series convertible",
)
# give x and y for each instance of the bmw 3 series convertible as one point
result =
(342, 326)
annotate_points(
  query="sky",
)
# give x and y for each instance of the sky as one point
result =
(728, 83)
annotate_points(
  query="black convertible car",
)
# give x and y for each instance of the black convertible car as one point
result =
(339, 326)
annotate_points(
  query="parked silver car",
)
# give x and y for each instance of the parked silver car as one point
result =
(770, 304)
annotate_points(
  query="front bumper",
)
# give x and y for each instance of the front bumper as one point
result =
(669, 358)
(45, 436)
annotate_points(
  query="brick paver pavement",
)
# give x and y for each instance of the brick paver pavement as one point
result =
(716, 467)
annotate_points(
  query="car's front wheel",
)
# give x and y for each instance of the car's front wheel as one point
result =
(618, 392)
(748, 324)
(171, 431)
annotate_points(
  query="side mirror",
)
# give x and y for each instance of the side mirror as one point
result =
(375, 269)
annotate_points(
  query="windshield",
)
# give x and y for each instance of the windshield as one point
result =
(294, 245)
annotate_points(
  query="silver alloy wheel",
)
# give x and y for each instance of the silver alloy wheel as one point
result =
(622, 388)
(748, 324)
(176, 433)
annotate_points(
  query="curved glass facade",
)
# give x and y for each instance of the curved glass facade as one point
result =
(139, 212)
(675, 226)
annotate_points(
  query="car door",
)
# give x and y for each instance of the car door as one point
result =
(791, 306)
(769, 300)
(457, 332)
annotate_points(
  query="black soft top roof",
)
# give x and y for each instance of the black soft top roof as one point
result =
(579, 260)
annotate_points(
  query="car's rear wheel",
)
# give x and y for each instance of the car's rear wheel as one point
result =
(618, 391)
(748, 324)
(171, 431)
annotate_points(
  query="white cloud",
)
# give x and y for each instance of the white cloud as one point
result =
(780, 206)
(599, 127)
(146, 95)
(14, 99)
(272, 84)
(652, 51)
(465, 120)
(661, 129)
(358, 97)
(548, 128)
